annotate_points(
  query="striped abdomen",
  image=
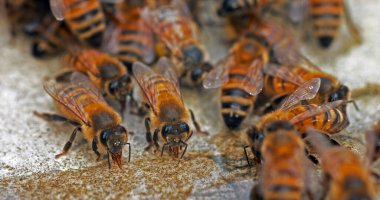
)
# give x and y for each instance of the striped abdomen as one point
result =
(135, 43)
(331, 121)
(236, 103)
(51, 39)
(326, 18)
(86, 20)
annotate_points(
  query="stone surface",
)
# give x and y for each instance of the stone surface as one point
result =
(214, 165)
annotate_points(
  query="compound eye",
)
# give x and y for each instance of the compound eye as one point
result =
(166, 130)
(184, 127)
(114, 85)
(104, 136)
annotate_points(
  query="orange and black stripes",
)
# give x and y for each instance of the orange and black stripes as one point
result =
(134, 41)
(86, 20)
(326, 18)
(236, 103)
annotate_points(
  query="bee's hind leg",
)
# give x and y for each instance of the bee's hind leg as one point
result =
(69, 143)
(54, 118)
(197, 126)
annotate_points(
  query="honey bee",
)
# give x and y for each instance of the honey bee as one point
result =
(240, 77)
(175, 27)
(329, 117)
(84, 107)
(131, 39)
(280, 81)
(106, 72)
(84, 18)
(52, 37)
(346, 176)
(283, 173)
(168, 117)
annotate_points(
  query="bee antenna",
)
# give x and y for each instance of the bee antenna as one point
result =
(129, 150)
(355, 105)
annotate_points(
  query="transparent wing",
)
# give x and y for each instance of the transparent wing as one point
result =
(148, 81)
(63, 94)
(254, 81)
(284, 73)
(166, 68)
(149, 53)
(110, 42)
(306, 91)
(82, 80)
(318, 139)
(316, 111)
(298, 10)
(219, 74)
(58, 9)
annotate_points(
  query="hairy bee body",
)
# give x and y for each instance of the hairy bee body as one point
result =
(85, 19)
(84, 107)
(326, 18)
(51, 38)
(331, 121)
(283, 172)
(135, 40)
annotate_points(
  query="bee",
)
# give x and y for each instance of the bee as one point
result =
(240, 77)
(169, 116)
(176, 29)
(84, 18)
(280, 81)
(329, 117)
(283, 172)
(346, 176)
(106, 72)
(52, 37)
(83, 106)
(131, 39)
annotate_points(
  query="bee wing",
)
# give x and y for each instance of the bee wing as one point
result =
(298, 10)
(219, 74)
(149, 53)
(58, 92)
(319, 140)
(283, 72)
(254, 81)
(167, 69)
(58, 8)
(181, 5)
(144, 76)
(315, 111)
(110, 41)
(82, 80)
(306, 91)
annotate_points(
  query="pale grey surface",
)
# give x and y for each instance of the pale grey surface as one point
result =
(212, 166)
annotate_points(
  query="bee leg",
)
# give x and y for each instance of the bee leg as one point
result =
(148, 134)
(155, 138)
(184, 151)
(95, 148)
(255, 193)
(54, 117)
(122, 107)
(163, 148)
(197, 127)
(109, 160)
(246, 155)
(132, 101)
(351, 26)
(69, 143)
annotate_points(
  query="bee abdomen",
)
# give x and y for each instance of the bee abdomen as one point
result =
(236, 104)
(326, 16)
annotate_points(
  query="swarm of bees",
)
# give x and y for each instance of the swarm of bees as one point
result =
(111, 46)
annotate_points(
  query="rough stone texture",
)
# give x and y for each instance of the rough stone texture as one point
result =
(214, 165)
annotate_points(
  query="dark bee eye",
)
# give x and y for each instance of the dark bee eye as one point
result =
(114, 86)
(184, 127)
(104, 136)
(196, 74)
(166, 130)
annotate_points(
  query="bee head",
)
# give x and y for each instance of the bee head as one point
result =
(174, 133)
(198, 73)
(120, 87)
(341, 94)
(192, 56)
(114, 139)
(229, 7)
(254, 135)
